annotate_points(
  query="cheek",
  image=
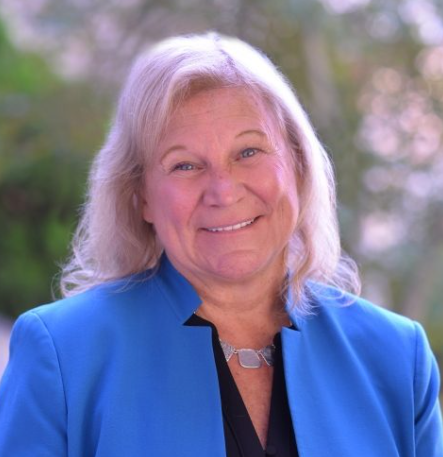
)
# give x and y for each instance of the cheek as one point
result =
(281, 191)
(167, 205)
(276, 182)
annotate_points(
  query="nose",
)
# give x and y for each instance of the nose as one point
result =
(223, 189)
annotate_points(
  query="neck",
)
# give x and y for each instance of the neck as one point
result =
(246, 314)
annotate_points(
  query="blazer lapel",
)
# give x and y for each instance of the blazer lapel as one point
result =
(193, 412)
(334, 408)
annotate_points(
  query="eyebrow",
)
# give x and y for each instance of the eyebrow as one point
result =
(180, 147)
(172, 149)
(252, 131)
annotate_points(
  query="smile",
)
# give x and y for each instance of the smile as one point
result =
(230, 228)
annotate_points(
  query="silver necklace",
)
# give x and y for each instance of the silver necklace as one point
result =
(249, 358)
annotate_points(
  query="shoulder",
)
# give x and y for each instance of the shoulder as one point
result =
(106, 305)
(378, 338)
(381, 340)
(358, 318)
(77, 336)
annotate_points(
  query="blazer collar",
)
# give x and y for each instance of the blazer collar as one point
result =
(178, 291)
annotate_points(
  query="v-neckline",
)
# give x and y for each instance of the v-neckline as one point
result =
(240, 432)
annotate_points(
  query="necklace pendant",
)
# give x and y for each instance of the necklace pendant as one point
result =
(248, 358)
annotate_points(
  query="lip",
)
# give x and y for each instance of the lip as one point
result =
(231, 228)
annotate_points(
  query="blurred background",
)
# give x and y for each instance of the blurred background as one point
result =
(369, 73)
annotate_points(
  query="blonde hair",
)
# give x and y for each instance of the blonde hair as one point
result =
(112, 239)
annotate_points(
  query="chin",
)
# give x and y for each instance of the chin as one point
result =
(240, 267)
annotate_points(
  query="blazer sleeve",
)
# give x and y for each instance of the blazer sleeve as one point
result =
(32, 400)
(428, 420)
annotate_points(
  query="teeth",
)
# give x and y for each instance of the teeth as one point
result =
(230, 228)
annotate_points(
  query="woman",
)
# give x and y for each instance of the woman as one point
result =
(201, 316)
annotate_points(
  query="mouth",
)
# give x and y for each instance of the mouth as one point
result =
(231, 228)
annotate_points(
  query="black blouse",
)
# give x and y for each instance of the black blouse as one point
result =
(240, 436)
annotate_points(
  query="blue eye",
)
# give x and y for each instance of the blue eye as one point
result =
(249, 152)
(184, 166)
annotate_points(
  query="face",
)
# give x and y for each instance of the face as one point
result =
(221, 190)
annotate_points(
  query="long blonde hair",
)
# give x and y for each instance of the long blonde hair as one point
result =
(112, 239)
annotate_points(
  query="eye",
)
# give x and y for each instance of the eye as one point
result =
(183, 166)
(249, 152)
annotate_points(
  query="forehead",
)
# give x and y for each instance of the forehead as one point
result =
(226, 108)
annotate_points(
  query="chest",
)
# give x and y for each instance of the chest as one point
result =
(255, 388)
(129, 406)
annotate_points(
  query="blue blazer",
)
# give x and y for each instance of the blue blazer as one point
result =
(113, 372)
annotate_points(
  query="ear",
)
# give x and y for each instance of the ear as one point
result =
(145, 207)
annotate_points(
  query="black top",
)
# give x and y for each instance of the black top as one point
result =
(240, 435)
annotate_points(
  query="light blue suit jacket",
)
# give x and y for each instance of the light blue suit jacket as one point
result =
(114, 372)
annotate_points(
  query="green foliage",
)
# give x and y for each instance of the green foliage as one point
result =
(47, 131)
(22, 72)
(37, 201)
